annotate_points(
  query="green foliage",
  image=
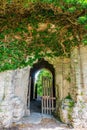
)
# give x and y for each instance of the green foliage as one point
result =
(83, 3)
(70, 1)
(72, 9)
(21, 46)
(2, 36)
(42, 73)
(85, 26)
(71, 102)
(84, 41)
(82, 19)
(68, 96)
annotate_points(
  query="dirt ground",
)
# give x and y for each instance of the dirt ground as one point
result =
(45, 124)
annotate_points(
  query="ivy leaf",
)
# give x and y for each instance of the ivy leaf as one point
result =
(72, 9)
(70, 1)
(85, 26)
(82, 19)
(2, 36)
(83, 3)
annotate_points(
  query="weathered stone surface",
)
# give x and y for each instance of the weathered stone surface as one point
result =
(18, 109)
(21, 80)
(11, 110)
(80, 115)
(70, 77)
(6, 113)
(80, 65)
(13, 95)
(66, 110)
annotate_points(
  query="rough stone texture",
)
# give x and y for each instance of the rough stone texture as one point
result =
(62, 83)
(74, 75)
(13, 95)
(6, 113)
(66, 110)
(18, 108)
(62, 71)
(70, 77)
(80, 115)
(11, 110)
(80, 110)
(21, 80)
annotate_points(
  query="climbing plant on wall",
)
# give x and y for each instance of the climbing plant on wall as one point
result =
(33, 29)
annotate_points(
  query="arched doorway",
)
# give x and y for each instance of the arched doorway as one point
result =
(41, 64)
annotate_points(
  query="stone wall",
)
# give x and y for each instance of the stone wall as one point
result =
(77, 113)
(13, 95)
(63, 87)
(70, 78)
(62, 83)
(21, 80)
(62, 74)
(80, 110)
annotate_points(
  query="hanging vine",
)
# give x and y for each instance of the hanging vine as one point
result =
(40, 29)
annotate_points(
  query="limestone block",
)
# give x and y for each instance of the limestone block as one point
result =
(18, 108)
(6, 113)
(21, 80)
(11, 110)
(8, 77)
(13, 95)
(66, 110)
(64, 115)
(80, 115)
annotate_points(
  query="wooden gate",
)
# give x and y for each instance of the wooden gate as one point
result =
(48, 101)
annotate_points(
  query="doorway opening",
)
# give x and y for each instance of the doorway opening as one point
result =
(36, 102)
(42, 88)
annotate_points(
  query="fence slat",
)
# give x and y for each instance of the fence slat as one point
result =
(47, 98)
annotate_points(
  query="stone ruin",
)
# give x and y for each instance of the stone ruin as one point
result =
(70, 79)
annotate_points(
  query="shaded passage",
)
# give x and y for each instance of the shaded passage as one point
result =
(35, 105)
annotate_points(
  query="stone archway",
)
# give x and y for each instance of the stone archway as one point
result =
(38, 66)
